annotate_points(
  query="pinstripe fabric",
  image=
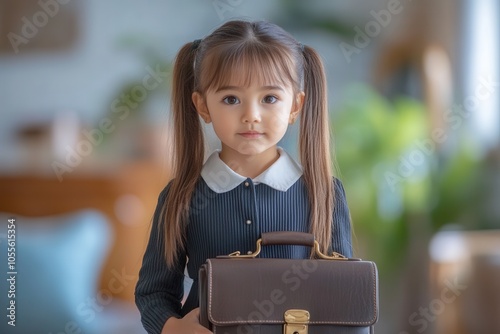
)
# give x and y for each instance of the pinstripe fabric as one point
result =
(221, 223)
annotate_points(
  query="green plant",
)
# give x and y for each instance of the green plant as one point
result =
(395, 174)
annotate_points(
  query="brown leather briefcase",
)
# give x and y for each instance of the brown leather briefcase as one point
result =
(242, 294)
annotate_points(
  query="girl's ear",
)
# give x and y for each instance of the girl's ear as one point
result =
(296, 107)
(201, 107)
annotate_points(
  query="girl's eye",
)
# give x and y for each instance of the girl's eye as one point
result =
(230, 100)
(270, 99)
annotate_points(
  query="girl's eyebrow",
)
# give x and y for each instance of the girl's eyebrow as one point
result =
(240, 88)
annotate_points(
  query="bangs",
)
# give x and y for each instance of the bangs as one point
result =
(248, 63)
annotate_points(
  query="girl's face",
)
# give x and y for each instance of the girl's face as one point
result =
(249, 119)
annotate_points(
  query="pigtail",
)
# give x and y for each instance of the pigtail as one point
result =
(314, 146)
(226, 47)
(188, 154)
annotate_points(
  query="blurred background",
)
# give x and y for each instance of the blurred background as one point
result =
(84, 153)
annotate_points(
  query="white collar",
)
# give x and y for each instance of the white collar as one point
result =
(281, 175)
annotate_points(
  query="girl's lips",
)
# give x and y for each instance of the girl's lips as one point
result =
(251, 134)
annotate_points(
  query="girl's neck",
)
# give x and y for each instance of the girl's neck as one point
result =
(249, 165)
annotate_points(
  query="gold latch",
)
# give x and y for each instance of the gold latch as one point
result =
(296, 322)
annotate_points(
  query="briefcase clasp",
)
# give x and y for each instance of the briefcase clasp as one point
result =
(296, 322)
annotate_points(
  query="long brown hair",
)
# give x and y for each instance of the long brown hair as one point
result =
(266, 52)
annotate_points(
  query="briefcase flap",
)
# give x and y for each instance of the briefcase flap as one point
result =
(260, 291)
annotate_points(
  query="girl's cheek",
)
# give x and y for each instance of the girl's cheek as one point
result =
(279, 121)
(275, 120)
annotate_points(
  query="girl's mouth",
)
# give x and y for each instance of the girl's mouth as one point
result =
(251, 134)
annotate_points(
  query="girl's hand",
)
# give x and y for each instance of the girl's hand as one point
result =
(190, 324)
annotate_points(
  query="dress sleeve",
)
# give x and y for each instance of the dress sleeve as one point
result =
(341, 229)
(159, 290)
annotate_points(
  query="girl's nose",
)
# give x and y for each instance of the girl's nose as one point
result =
(251, 114)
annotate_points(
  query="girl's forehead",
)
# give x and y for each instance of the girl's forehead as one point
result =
(245, 77)
(239, 77)
(245, 69)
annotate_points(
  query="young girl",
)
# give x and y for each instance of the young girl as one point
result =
(250, 80)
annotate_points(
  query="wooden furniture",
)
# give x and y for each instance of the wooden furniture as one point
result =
(465, 282)
(127, 197)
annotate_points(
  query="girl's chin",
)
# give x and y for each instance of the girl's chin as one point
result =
(251, 150)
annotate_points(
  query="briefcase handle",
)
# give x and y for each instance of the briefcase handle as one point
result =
(289, 238)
